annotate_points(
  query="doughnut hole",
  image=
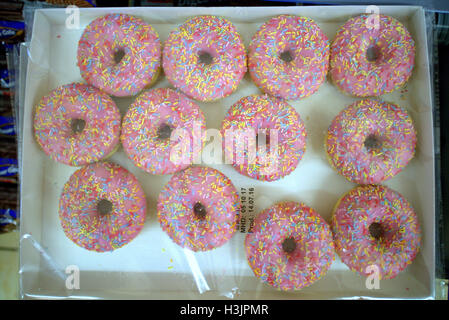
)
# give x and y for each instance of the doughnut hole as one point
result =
(199, 210)
(263, 139)
(164, 131)
(104, 207)
(376, 230)
(287, 55)
(205, 58)
(77, 125)
(118, 55)
(373, 143)
(373, 53)
(289, 245)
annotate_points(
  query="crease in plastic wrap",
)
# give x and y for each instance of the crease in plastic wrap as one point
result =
(152, 266)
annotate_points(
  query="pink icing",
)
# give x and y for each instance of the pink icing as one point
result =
(355, 245)
(307, 45)
(80, 219)
(52, 124)
(261, 113)
(350, 67)
(182, 64)
(215, 192)
(103, 38)
(348, 133)
(289, 270)
(147, 114)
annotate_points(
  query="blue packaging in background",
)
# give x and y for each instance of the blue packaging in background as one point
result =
(7, 126)
(8, 167)
(8, 216)
(5, 81)
(11, 30)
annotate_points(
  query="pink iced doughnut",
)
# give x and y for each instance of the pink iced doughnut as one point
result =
(198, 208)
(290, 247)
(77, 124)
(256, 118)
(371, 56)
(102, 207)
(289, 57)
(119, 54)
(375, 229)
(205, 58)
(161, 130)
(371, 141)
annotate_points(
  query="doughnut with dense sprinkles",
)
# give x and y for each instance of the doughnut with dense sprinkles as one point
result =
(375, 227)
(289, 57)
(290, 246)
(251, 119)
(102, 207)
(148, 126)
(367, 61)
(198, 208)
(77, 124)
(205, 58)
(119, 54)
(371, 141)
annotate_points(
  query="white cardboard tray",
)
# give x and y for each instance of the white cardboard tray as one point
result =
(152, 266)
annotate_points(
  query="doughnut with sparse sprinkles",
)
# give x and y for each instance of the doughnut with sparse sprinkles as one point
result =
(148, 131)
(371, 141)
(290, 246)
(119, 54)
(375, 228)
(205, 58)
(284, 133)
(289, 57)
(198, 208)
(369, 58)
(102, 207)
(77, 124)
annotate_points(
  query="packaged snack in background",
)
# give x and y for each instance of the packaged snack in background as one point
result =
(8, 160)
(7, 126)
(8, 207)
(8, 220)
(12, 31)
(5, 80)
